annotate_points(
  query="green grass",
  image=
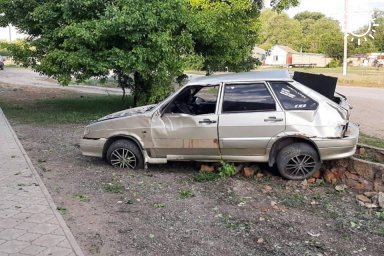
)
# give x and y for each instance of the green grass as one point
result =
(380, 232)
(229, 222)
(64, 110)
(371, 140)
(294, 200)
(159, 205)
(205, 176)
(61, 210)
(226, 170)
(371, 157)
(380, 215)
(80, 197)
(114, 187)
(186, 193)
(356, 76)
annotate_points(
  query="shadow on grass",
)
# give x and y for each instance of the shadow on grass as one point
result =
(65, 110)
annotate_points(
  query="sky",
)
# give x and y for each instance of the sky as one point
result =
(359, 12)
(4, 34)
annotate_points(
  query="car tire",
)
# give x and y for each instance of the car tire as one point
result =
(125, 154)
(298, 161)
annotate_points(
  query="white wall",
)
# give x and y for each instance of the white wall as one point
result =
(320, 60)
(277, 57)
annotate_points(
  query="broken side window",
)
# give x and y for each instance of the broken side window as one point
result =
(291, 98)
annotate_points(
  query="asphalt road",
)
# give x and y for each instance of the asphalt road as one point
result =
(26, 77)
(368, 108)
(368, 103)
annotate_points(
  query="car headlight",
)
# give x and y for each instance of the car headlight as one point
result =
(86, 131)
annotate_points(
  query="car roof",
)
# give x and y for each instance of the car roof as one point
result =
(269, 75)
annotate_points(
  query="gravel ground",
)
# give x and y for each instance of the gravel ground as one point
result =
(236, 216)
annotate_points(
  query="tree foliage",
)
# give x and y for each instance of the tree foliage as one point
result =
(279, 5)
(278, 28)
(378, 15)
(307, 32)
(224, 32)
(307, 15)
(313, 32)
(325, 36)
(146, 43)
(136, 39)
(307, 19)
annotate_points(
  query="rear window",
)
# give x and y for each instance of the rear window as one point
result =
(247, 98)
(291, 98)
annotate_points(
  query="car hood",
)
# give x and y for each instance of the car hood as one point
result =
(127, 112)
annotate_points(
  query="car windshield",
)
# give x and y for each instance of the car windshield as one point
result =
(170, 96)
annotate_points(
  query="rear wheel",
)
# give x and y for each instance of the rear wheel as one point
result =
(125, 154)
(298, 161)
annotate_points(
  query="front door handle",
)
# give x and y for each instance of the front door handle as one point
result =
(273, 119)
(207, 121)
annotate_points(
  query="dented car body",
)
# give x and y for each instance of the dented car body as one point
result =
(263, 116)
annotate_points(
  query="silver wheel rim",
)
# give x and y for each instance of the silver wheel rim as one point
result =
(123, 158)
(300, 165)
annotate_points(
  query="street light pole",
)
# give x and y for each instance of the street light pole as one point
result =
(345, 37)
(10, 32)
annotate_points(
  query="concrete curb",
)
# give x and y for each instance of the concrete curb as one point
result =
(68, 234)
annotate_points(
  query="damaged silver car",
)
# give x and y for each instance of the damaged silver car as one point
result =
(262, 116)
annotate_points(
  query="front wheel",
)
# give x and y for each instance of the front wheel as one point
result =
(298, 161)
(125, 154)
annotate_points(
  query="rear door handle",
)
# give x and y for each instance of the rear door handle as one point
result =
(273, 119)
(207, 121)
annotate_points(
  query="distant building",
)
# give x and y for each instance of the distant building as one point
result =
(259, 53)
(366, 60)
(278, 55)
(357, 60)
(282, 55)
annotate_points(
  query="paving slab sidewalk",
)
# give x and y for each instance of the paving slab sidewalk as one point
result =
(29, 221)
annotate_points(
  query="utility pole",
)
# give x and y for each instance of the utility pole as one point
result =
(345, 38)
(10, 32)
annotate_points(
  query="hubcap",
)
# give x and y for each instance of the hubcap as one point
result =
(123, 158)
(300, 165)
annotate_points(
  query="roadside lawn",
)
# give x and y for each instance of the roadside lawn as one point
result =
(69, 109)
(371, 140)
(166, 210)
(356, 76)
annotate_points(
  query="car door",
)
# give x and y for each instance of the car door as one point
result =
(187, 128)
(248, 120)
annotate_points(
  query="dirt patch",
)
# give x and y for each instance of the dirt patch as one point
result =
(371, 154)
(149, 212)
(149, 217)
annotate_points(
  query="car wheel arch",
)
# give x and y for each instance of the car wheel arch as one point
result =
(120, 137)
(283, 142)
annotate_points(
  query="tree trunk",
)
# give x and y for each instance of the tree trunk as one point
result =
(142, 90)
